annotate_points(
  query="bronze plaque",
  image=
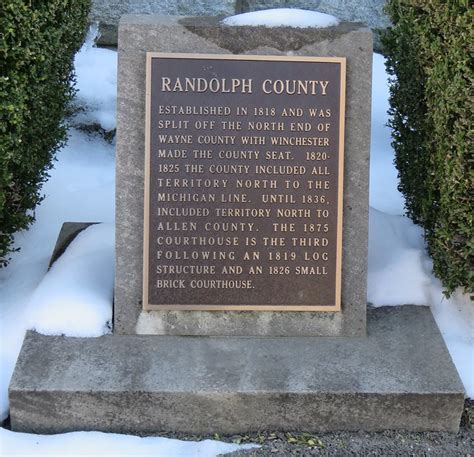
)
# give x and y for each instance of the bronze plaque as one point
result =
(243, 182)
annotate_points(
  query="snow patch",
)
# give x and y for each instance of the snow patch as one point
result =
(100, 444)
(396, 254)
(96, 72)
(75, 297)
(283, 17)
(384, 194)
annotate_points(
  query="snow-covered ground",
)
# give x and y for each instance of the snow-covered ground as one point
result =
(75, 296)
(111, 444)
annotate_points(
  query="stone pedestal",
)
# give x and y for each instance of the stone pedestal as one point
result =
(139, 34)
(399, 377)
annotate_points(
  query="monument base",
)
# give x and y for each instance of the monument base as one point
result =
(399, 377)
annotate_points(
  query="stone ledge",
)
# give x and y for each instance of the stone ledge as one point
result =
(399, 377)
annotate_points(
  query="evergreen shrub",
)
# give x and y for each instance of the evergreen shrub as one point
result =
(38, 40)
(429, 56)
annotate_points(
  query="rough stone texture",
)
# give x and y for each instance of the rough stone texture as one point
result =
(107, 12)
(357, 444)
(139, 34)
(69, 231)
(399, 377)
(369, 12)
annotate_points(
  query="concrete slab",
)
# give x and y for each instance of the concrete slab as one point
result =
(399, 377)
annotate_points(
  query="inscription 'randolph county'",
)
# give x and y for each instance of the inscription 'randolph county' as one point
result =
(243, 182)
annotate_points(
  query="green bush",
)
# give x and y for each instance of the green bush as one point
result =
(429, 51)
(38, 40)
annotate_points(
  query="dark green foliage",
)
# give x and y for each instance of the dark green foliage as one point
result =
(38, 40)
(429, 52)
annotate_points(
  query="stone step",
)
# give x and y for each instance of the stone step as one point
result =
(399, 377)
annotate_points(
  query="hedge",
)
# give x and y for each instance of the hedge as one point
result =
(428, 55)
(38, 40)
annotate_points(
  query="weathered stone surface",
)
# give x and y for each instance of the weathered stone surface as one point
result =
(369, 12)
(399, 377)
(139, 34)
(107, 13)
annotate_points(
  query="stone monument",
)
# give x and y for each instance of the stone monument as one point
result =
(329, 166)
(242, 208)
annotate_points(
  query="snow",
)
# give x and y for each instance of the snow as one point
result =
(96, 84)
(384, 195)
(396, 254)
(283, 17)
(75, 297)
(100, 444)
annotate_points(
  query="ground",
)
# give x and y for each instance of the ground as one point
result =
(365, 444)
